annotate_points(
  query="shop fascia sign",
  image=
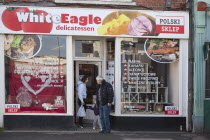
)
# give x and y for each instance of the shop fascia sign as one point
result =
(94, 22)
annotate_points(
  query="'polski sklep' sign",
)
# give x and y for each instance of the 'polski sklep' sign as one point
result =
(171, 110)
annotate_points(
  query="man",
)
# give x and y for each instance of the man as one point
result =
(104, 96)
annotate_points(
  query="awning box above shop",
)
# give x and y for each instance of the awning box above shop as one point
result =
(94, 22)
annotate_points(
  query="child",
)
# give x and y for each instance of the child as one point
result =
(95, 108)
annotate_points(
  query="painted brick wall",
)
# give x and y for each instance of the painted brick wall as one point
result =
(153, 4)
(160, 4)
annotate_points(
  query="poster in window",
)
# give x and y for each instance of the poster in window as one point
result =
(162, 50)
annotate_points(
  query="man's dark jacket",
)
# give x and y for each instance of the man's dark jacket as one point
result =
(107, 93)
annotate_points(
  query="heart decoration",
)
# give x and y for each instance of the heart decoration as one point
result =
(27, 78)
(25, 83)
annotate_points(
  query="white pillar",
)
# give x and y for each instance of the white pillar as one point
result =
(183, 84)
(2, 81)
(70, 76)
(117, 76)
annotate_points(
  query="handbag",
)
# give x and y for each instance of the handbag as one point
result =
(81, 112)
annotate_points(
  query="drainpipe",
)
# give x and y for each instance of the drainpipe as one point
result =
(199, 67)
(191, 71)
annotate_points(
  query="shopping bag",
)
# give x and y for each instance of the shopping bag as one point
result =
(81, 112)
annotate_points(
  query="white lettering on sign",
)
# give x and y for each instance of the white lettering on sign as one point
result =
(170, 29)
(12, 105)
(12, 108)
(22, 17)
(171, 108)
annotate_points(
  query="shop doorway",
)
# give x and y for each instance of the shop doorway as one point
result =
(92, 70)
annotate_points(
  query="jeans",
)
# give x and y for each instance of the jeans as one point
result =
(104, 117)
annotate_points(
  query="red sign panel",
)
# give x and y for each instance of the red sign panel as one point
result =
(171, 110)
(12, 108)
(174, 29)
(170, 24)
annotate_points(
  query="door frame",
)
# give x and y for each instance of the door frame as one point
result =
(99, 63)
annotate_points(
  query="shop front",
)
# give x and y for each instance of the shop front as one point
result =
(143, 54)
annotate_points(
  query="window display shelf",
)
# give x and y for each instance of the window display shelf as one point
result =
(164, 103)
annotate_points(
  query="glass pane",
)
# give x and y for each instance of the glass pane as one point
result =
(87, 48)
(147, 86)
(36, 73)
(110, 63)
(90, 70)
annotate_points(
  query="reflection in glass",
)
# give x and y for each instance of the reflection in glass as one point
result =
(38, 84)
(87, 48)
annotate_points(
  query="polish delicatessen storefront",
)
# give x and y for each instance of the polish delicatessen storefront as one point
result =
(45, 51)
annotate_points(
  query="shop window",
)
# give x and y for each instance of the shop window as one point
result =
(110, 71)
(35, 73)
(87, 48)
(149, 76)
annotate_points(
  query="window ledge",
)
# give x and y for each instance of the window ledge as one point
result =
(105, 2)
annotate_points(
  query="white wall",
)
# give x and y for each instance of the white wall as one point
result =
(173, 83)
(2, 81)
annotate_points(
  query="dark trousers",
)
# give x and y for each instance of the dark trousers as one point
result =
(81, 118)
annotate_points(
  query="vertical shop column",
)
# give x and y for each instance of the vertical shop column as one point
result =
(2, 82)
(70, 78)
(117, 76)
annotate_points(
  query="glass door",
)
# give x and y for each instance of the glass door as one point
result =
(92, 70)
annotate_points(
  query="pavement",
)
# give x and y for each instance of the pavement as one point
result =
(94, 135)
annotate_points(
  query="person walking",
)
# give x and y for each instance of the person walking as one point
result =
(104, 100)
(82, 95)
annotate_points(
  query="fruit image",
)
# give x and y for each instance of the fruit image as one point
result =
(15, 45)
(112, 27)
(8, 39)
(17, 40)
(37, 27)
(10, 19)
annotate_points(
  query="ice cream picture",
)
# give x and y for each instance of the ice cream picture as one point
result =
(128, 23)
(21, 46)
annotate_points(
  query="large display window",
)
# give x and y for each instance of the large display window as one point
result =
(150, 76)
(35, 73)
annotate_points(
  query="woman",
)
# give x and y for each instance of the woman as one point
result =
(82, 94)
